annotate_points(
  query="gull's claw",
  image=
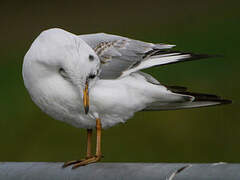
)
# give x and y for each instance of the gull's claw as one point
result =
(69, 163)
(87, 161)
(66, 164)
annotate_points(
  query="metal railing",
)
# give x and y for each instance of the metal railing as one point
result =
(107, 171)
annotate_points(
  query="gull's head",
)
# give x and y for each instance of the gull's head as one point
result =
(60, 64)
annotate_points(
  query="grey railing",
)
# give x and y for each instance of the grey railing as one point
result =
(107, 171)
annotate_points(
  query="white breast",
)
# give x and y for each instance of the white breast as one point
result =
(117, 100)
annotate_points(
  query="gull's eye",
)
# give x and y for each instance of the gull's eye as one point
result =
(91, 57)
(63, 73)
(92, 76)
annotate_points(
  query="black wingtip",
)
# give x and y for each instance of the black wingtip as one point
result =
(189, 56)
(176, 89)
(206, 97)
(226, 101)
(202, 56)
(156, 52)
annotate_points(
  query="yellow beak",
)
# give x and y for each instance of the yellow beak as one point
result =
(86, 98)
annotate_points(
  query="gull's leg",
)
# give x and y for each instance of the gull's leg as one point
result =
(89, 146)
(89, 143)
(98, 155)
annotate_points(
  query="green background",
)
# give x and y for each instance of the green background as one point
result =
(194, 135)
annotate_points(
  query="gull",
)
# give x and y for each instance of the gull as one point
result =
(96, 81)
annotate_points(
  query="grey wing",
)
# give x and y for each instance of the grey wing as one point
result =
(121, 56)
(200, 100)
(118, 53)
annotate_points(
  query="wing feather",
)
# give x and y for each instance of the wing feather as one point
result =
(118, 53)
(200, 100)
(121, 56)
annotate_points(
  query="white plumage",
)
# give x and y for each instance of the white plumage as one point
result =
(57, 65)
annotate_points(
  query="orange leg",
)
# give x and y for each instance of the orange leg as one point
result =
(89, 143)
(89, 146)
(98, 155)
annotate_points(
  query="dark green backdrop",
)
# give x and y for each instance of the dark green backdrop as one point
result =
(195, 135)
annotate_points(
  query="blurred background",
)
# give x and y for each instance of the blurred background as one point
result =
(194, 135)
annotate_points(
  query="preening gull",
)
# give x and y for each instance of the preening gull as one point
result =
(95, 81)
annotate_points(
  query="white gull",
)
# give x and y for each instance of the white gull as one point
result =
(95, 80)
